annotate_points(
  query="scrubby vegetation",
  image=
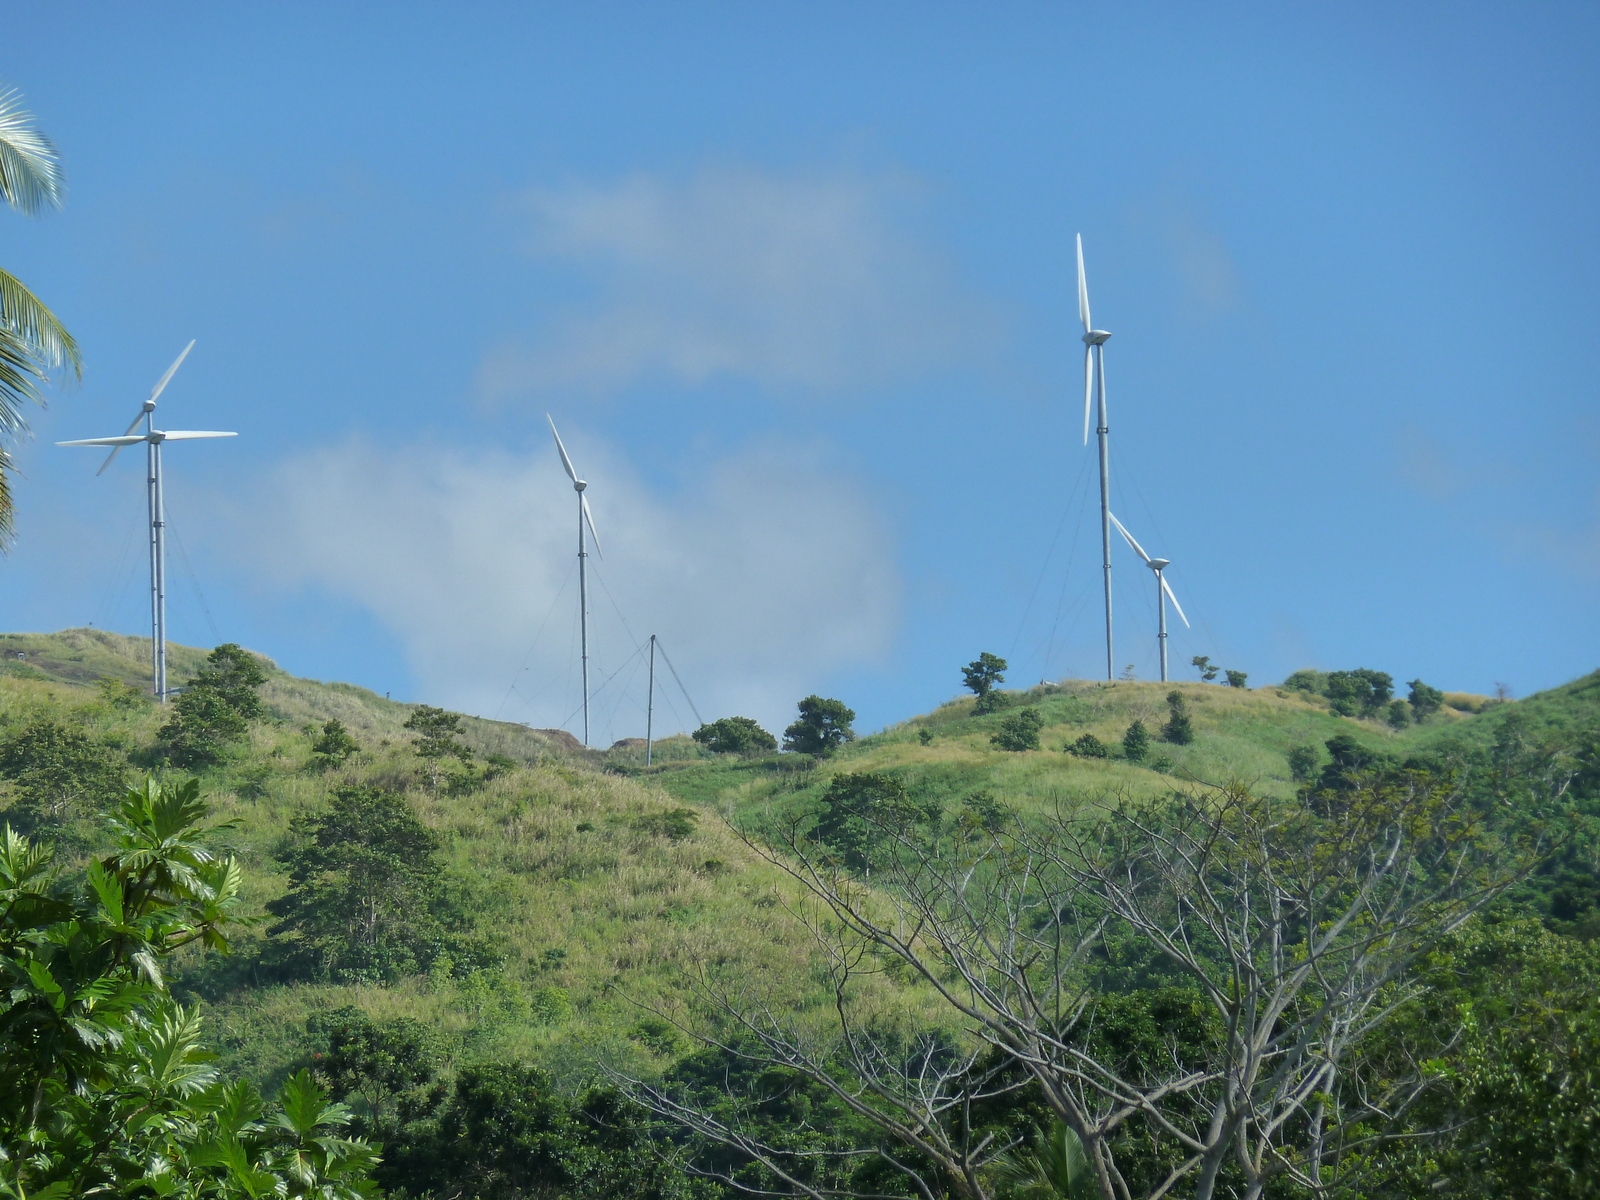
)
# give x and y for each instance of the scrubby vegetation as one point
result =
(947, 959)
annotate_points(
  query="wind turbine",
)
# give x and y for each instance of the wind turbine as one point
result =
(1163, 592)
(584, 517)
(1094, 370)
(153, 439)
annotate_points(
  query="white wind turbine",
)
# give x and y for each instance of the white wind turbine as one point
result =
(1094, 369)
(584, 517)
(153, 439)
(1163, 592)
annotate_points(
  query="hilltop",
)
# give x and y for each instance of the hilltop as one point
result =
(1241, 735)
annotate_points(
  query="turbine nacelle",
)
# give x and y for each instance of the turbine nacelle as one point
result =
(1159, 564)
(1096, 337)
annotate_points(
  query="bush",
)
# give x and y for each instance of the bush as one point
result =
(1399, 714)
(823, 726)
(215, 708)
(60, 777)
(1360, 692)
(367, 900)
(735, 735)
(1088, 746)
(863, 808)
(1304, 762)
(1425, 700)
(334, 746)
(1179, 729)
(675, 824)
(1136, 742)
(1019, 731)
(1236, 679)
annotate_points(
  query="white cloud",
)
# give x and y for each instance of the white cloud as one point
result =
(789, 281)
(770, 575)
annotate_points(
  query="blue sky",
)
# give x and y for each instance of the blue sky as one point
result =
(796, 282)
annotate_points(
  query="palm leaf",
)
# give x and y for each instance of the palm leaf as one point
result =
(30, 173)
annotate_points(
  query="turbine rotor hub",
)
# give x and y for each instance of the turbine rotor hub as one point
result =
(1095, 337)
(578, 485)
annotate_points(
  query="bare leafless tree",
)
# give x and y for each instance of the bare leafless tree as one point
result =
(1295, 926)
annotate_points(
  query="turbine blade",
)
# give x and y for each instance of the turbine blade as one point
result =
(1167, 588)
(134, 424)
(171, 371)
(1083, 289)
(1138, 549)
(107, 462)
(1088, 389)
(183, 435)
(565, 461)
(118, 442)
(589, 517)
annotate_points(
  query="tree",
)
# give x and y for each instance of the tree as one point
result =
(1136, 742)
(1288, 938)
(334, 746)
(1348, 762)
(1398, 714)
(1202, 663)
(215, 707)
(1179, 729)
(388, 1067)
(60, 776)
(1088, 746)
(981, 674)
(33, 343)
(106, 1087)
(823, 726)
(366, 898)
(1236, 679)
(1304, 762)
(735, 735)
(437, 733)
(855, 810)
(1425, 700)
(1019, 731)
(1360, 692)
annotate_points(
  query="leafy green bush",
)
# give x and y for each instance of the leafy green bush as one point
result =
(823, 726)
(215, 708)
(1136, 742)
(367, 899)
(1088, 746)
(334, 746)
(735, 735)
(1425, 700)
(60, 777)
(105, 1085)
(1019, 731)
(863, 809)
(1179, 729)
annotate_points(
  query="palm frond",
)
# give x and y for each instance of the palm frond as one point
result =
(30, 173)
(26, 318)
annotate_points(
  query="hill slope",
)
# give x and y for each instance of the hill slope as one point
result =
(596, 889)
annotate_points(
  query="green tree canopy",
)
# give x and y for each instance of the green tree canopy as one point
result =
(981, 674)
(735, 735)
(1179, 729)
(215, 708)
(367, 897)
(1136, 742)
(1425, 700)
(823, 726)
(1019, 731)
(60, 777)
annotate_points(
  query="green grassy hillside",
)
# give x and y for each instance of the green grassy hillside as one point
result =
(580, 877)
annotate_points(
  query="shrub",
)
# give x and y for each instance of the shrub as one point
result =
(735, 735)
(60, 776)
(1236, 679)
(1136, 742)
(1360, 692)
(925, 736)
(980, 675)
(823, 726)
(675, 824)
(1399, 714)
(1019, 731)
(334, 746)
(1179, 729)
(1425, 700)
(860, 809)
(1304, 762)
(215, 708)
(1088, 746)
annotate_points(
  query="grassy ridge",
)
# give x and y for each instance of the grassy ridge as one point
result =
(1240, 734)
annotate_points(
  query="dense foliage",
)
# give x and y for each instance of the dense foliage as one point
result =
(821, 728)
(105, 1084)
(215, 708)
(735, 735)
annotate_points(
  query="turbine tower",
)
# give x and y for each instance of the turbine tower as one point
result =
(153, 439)
(1094, 372)
(1163, 593)
(578, 486)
